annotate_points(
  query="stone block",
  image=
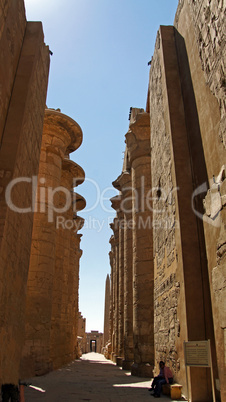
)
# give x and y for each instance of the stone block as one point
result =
(174, 390)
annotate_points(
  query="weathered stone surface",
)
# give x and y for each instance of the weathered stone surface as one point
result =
(52, 291)
(115, 294)
(202, 24)
(185, 171)
(107, 312)
(75, 255)
(111, 318)
(12, 31)
(126, 188)
(94, 341)
(133, 273)
(19, 157)
(187, 129)
(215, 231)
(81, 335)
(116, 203)
(64, 316)
(31, 277)
(164, 222)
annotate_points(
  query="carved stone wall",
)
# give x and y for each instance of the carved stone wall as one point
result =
(12, 30)
(162, 185)
(178, 168)
(186, 102)
(202, 25)
(215, 231)
(24, 68)
(208, 18)
(166, 286)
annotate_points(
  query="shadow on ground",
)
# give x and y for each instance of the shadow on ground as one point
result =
(91, 378)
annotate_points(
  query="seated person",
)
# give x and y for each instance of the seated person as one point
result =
(165, 377)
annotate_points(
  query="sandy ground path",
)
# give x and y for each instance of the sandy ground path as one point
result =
(91, 378)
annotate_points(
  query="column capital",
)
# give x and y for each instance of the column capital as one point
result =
(111, 258)
(78, 201)
(138, 137)
(79, 222)
(76, 171)
(64, 135)
(112, 239)
(115, 202)
(115, 227)
(124, 184)
(123, 181)
(77, 240)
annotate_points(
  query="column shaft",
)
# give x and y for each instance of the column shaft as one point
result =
(41, 269)
(62, 340)
(121, 290)
(143, 272)
(123, 184)
(138, 145)
(116, 290)
(61, 135)
(128, 275)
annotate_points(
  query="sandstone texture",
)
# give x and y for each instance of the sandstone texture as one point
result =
(39, 240)
(178, 256)
(52, 289)
(94, 342)
(81, 337)
(106, 311)
(23, 86)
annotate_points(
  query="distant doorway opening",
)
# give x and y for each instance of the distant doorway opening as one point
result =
(93, 346)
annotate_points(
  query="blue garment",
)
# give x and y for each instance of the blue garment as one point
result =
(159, 383)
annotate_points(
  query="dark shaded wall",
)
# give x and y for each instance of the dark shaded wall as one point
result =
(24, 72)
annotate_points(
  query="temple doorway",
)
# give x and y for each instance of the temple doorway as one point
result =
(93, 346)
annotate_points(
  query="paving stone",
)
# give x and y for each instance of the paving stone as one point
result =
(91, 378)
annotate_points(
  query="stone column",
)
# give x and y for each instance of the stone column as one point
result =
(112, 264)
(64, 282)
(61, 135)
(124, 184)
(115, 346)
(58, 323)
(107, 311)
(116, 205)
(79, 204)
(75, 256)
(138, 145)
(120, 290)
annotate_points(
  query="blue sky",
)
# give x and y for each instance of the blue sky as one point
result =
(98, 70)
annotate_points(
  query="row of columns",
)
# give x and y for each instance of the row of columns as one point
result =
(131, 256)
(52, 289)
